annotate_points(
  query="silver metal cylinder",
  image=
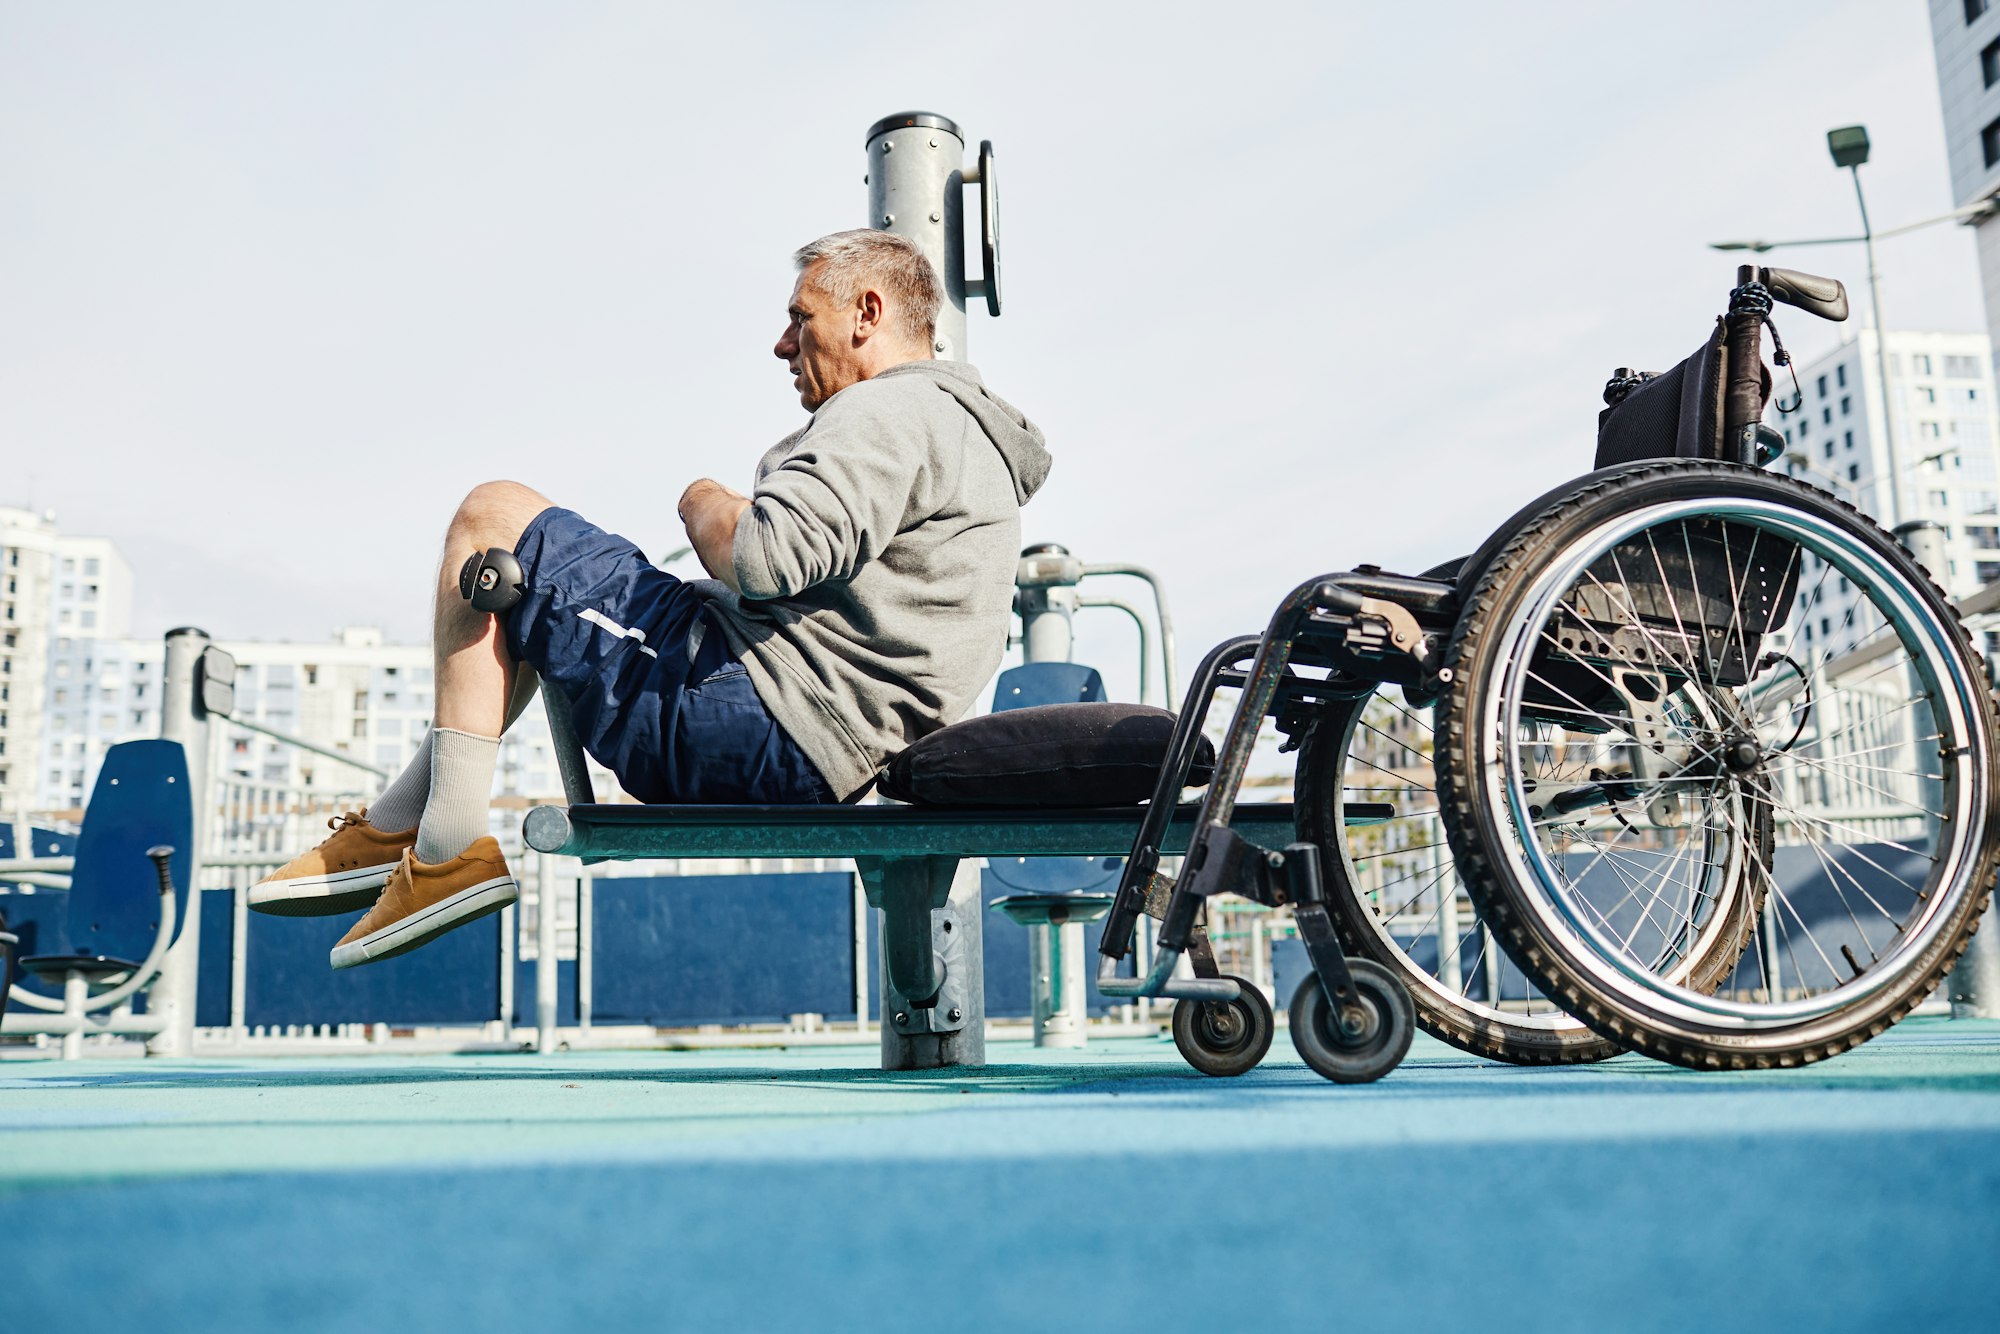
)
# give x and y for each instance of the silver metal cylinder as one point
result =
(1059, 976)
(1046, 599)
(916, 189)
(183, 719)
(1973, 986)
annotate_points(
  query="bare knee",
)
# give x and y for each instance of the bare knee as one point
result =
(495, 514)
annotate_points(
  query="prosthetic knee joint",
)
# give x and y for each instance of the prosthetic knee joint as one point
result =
(492, 580)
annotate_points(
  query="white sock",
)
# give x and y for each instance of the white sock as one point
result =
(401, 804)
(461, 789)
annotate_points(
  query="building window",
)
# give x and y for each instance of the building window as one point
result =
(1920, 362)
(1975, 8)
(1829, 447)
(1853, 472)
(1989, 143)
(1926, 394)
(1929, 430)
(1826, 416)
(1939, 500)
(1961, 368)
(1989, 571)
(1848, 437)
(1846, 405)
(1822, 386)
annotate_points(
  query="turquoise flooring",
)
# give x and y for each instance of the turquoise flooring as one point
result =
(1112, 1189)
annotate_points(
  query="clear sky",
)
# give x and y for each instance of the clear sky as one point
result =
(1289, 287)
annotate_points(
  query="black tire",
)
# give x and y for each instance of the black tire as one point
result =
(1535, 1031)
(1225, 1038)
(1363, 1057)
(1510, 656)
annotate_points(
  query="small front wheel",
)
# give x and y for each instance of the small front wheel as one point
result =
(1375, 1046)
(1225, 1037)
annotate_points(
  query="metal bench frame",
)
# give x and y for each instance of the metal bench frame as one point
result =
(918, 865)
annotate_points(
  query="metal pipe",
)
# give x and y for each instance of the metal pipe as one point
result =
(1145, 637)
(545, 956)
(1169, 667)
(184, 719)
(303, 744)
(585, 942)
(916, 189)
(1881, 356)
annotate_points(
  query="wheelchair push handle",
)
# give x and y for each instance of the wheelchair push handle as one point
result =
(1824, 297)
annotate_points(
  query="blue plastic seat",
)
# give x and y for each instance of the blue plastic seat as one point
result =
(140, 802)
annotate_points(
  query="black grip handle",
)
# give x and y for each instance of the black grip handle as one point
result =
(1824, 297)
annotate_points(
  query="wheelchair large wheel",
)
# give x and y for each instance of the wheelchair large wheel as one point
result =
(1691, 698)
(1395, 893)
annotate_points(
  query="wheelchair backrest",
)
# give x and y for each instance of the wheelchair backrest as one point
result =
(1675, 414)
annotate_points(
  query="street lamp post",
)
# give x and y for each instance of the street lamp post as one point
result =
(1849, 147)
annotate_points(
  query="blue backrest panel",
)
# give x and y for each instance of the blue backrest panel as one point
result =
(141, 799)
(1036, 683)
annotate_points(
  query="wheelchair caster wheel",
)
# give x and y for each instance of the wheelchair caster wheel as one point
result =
(1225, 1037)
(1379, 1041)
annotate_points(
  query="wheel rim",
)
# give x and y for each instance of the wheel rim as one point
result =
(1220, 1027)
(1864, 740)
(1402, 870)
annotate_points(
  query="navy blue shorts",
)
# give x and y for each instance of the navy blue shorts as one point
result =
(611, 631)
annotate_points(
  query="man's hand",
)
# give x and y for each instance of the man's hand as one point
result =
(710, 512)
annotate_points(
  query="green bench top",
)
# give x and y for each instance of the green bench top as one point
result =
(624, 831)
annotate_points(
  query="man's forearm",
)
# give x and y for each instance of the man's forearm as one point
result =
(710, 511)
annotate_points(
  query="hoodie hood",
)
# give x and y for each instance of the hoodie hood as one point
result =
(1020, 442)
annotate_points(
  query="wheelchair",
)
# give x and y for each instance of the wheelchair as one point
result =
(1689, 758)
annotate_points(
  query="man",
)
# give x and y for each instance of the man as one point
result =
(860, 597)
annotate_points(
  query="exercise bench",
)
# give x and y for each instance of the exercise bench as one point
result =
(918, 866)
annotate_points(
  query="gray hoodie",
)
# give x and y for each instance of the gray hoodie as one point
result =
(877, 563)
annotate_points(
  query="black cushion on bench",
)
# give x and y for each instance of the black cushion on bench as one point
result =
(1051, 755)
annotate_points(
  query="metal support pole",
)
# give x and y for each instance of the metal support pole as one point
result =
(545, 956)
(1897, 511)
(1059, 975)
(950, 1029)
(585, 943)
(182, 718)
(916, 189)
(1973, 985)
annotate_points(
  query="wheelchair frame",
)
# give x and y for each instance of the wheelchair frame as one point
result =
(1366, 628)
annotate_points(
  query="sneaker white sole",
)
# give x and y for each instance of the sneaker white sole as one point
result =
(321, 895)
(488, 896)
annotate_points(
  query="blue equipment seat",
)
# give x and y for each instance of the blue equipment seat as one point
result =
(140, 801)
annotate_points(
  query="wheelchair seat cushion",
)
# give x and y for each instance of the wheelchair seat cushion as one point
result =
(1056, 755)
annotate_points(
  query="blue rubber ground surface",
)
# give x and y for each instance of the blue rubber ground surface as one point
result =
(1112, 1189)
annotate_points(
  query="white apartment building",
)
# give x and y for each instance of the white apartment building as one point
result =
(1947, 436)
(355, 694)
(1965, 35)
(74, 683)
(27, 555)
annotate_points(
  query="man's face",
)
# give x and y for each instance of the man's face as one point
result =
(818, 344)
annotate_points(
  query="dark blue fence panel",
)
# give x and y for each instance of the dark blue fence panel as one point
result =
(524, 991)
(1008, 994)
(453, 980)
(40, 919)
(722, 949)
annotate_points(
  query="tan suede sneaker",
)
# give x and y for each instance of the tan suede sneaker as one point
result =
(422, 901)
(343, 874)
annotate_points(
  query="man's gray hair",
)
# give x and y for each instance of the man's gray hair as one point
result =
(850, 262)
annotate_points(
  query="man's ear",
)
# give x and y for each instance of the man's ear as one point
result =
(869, 313)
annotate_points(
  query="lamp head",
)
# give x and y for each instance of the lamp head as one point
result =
(1848, 144)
